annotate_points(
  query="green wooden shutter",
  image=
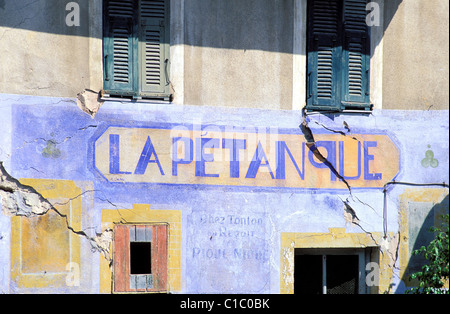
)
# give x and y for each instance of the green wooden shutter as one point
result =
(154, 48)
(119, 47)
(324, 53)
(338, 55)
(356, 58)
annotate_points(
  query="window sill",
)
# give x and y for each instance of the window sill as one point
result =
(148, 100)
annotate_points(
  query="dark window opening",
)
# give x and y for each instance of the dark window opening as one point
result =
(342, 274)
(308, 274)
(140, 258)
(326, 273)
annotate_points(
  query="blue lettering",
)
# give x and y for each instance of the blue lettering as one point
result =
(145, 158)
(114, 155)
(341, 162)
(188, 153)
(329, 161)
(234, 145)
(367, 158)
(258, 157)
(281, 161)
(202, 157)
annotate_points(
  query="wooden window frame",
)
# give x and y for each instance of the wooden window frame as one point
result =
(124, 281)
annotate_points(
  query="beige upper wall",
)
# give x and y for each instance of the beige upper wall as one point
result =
(416, 55)
(237, 78)
(50, 65)
(239, 53)
(242, 59)
(40, 54)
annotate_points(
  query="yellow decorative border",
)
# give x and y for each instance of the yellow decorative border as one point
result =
(141, 213)
(335, 238)
(60, 191)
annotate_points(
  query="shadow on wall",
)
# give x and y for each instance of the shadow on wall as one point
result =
(424, 237)
(266, 25)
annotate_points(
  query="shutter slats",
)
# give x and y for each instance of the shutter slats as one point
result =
(324, 35)
(118, 46)
(325, 17)
(136, 48)
(153, 9)
(355, 65)
(325, 72)
(153, 14)
(338, 60)
(153, 57)
(121, 55)
(124, 8)
(355, 15)
(356, 44)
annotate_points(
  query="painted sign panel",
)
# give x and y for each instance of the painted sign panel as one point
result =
(231, 242)
(256, 158)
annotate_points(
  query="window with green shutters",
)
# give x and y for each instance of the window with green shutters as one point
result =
(338, 56)
(136, 48)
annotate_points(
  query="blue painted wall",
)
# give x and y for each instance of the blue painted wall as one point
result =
(231, 235)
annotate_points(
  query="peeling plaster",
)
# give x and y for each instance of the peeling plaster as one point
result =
(22, 200)
(288, 271)
(388, 246)
(90, 101)
(350, 214)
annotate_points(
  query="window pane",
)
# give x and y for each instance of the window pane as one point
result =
(308, 274)
(342, 274)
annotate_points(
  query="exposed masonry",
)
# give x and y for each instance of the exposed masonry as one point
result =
(90, 101)
(23, 200)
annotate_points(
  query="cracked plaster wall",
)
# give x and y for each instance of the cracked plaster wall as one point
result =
(39, 147)
(21, 200)
(61, 149)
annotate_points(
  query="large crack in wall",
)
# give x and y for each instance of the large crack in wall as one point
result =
(23, 200)
(311, 144)
(389, 246)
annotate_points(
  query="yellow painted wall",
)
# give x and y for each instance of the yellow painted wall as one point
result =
(42, 248)
(335, 238)
(141, 213)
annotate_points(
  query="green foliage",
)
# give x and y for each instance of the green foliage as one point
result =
(433, 275)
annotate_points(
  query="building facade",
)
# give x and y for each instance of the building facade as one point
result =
(212, 146)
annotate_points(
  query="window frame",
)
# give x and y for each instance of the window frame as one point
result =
(341, 99)
(137, 47)
(154, 282)
(361, 253)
